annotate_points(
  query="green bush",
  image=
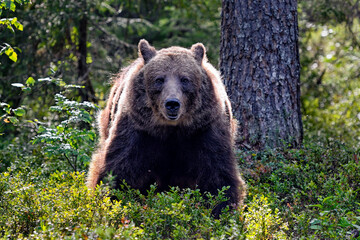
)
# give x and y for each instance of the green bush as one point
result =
(73, 138)
(61, 206)
(315, 188)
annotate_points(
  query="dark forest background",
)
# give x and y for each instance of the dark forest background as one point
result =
(52, 42)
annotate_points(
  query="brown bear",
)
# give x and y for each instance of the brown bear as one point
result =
(168, 121)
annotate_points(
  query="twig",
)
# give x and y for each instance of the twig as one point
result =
(69, 162)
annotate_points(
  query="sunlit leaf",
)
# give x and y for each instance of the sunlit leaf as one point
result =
(11, 53)
(61, 84)
(9, 26)
(30, 81)
(12, 6)
(19, 26)
(19, 112)
(89, 60)
(13, 120)
(13, 20)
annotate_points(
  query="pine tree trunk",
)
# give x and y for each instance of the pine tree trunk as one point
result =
(87, 93)
(259, 61)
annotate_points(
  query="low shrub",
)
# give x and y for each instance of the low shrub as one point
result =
(61, 206)
(316, 188)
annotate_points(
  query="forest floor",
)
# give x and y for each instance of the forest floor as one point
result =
(307, 193)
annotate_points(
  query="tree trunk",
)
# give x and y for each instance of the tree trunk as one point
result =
(87, 93)
(259, 60)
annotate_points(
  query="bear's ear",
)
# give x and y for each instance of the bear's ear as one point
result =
(146, 51)
(199, 51)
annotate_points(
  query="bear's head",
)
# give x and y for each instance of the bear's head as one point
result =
(173, 80)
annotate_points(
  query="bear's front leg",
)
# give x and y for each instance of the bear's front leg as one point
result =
(122, 156)
(219, 169)
(214, 182)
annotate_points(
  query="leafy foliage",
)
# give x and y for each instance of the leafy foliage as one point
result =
(9, 5)
(315, 188)
(70, 139)
(329, 52)
(62, 206)
(11, 114)
(320, 203)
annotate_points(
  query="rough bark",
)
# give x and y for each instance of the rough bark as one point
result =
(259, 61)
(87, 93)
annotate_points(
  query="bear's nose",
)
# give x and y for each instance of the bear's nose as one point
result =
(172, 105)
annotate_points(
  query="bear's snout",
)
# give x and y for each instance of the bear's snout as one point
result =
(172, 107)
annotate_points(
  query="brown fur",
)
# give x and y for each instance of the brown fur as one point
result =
(168, 121)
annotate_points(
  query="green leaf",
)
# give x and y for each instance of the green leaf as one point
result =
(60, 128)
(11, 53)
(324, 213)
(26, 89)
(12, 6)
(13, 20)
(19, 26)
(13, 120)
(316, 205)
(9, 26)
(30, 81)
(89, 60)
(18, 49)
(61, 83)
(5, 107)
(343, 222)
(19, 112)
(8, 4)
(316, 227)
(315, 221)
(41, 129)
(326, 199)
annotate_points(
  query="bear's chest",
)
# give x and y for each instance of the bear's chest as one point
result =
(171, 151)
(175, 157)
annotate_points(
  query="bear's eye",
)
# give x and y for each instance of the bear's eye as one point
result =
(159, 81)
(184, 80)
